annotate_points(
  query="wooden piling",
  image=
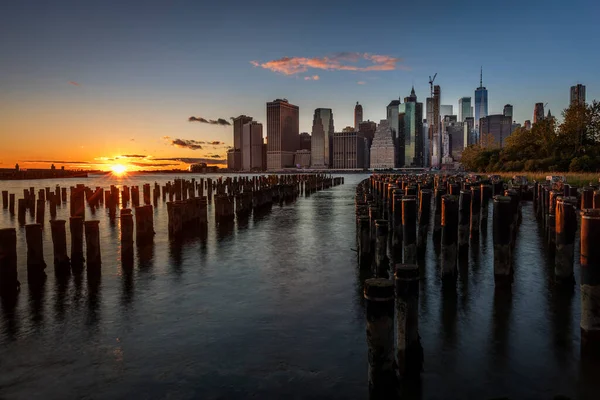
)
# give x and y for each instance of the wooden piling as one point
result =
(92, 247)
(126, 237)
(39, 215)
(464, 221)
(9, 282)
(62, 263)
(409, 352)
(566, 228)
(424, 213)
(144, 224)
(35, 253)
(409, 229)
(502, 238)
(475, 212)
(381, 259)
(76, 229)
(379, 304)
(449, 235)
(590, 282)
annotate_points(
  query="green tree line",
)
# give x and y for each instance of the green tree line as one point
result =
(572, 145)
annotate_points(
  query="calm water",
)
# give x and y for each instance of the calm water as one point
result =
(272, 308)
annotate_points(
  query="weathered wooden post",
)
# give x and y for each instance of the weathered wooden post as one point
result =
(92, 247)
(503, 218)
(126, 237)
(379, 304)
(475, 212)
(449, 235)
(39, 215)
(397, 223)
(381, 259)
(62, 264)
(424, 212)
(144, 224)
(590, 282)
(596, 199)
(21, 210)
(566, 228)
(464, 221)
(409, 353)
(437, 216)
(9, 282)
(53, 203)
(35, 253)
(364, 242)
(409, 229)
(76, 229)
(587, 197)
(486, 196)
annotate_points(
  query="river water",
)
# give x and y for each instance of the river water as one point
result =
(272, 307)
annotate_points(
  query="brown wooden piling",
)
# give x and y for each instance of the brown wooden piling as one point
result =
(41, 208)
(379, 304)
(409, 229)
(62, 263)
(464, 221)
(424, 213)
(449, 235)
(92, 246)
(35, 253)
(409, 352)
(381, 239)
(144, 224)
(11, 204)
(126, 237)
(566, 228)
(590, 282)
(76, 229)
(503, 217)
(9, 282)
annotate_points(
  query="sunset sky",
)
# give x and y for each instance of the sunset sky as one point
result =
(85, 82)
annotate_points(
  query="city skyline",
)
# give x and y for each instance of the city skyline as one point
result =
(87, 83)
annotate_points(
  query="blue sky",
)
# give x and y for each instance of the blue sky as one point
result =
(144, 67)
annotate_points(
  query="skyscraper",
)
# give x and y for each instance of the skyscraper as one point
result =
(578, 94)
(412, 129)
(358, 115)
(508, 111)
(464, 109)
(393, 118)
(481, 101)
(497, 127)
(348, 150)
(282, 134)
(383, 147)
(252, 139)
(538, 112)
(367, 129)
(238, 139)
(527, 124)
(434, 128)
(446, 110)
(305, 141)
(322, 138)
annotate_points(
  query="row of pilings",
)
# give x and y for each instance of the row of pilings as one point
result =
(187, 209)
(561, 211)
(393, 215)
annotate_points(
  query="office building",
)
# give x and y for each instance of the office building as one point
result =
(497, 127)
(282, 134)
(348, 150)
(358, 115)
(252, 142)
(464, 108)
(367, 130)
(455, 132)
(433, 118)
(508, 111)
(322, 138)
(527, 124)
(238, 139)
(481, 102)
(302, 158)
(305, 141)
(383, 148)
(538, 112)
(446, 110)
(470, 137)
(412, 130)
(578, 94)
(393, 118)
(234, 160)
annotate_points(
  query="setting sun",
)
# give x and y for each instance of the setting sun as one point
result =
(118, 169)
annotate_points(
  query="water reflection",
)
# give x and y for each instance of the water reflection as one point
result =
(9, 316)
(145, 255)
(500, 323)
(93, 300)
(224, 229)
(37, 293)
(449, 312)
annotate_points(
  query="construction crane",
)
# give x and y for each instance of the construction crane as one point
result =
(431, 83)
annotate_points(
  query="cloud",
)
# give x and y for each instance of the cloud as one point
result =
(55, 162)
(132, 139)
(346, 61)
(187, 143)
(211, 156)
(74, 83)
(312, 78)
(361, 82)
(194, 160)
(151, 164)
(133, 156)
(166, 137)
(218, 121)
(216, 143)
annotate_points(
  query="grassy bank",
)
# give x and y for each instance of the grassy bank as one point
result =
(578, 179)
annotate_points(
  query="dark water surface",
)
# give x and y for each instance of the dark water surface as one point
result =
(272, 308)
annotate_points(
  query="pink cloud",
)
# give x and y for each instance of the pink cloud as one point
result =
(74, 83)
(312, 78)
(361, 82)
(347, 61)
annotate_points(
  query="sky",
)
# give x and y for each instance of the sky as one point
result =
(85, 83)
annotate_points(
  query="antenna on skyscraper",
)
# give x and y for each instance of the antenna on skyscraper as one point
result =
(431, 83)
(481, 77)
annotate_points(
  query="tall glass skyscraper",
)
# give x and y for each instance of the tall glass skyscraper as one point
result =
(322, 138)
(464, 109)
(412, 130)
(481, 102)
